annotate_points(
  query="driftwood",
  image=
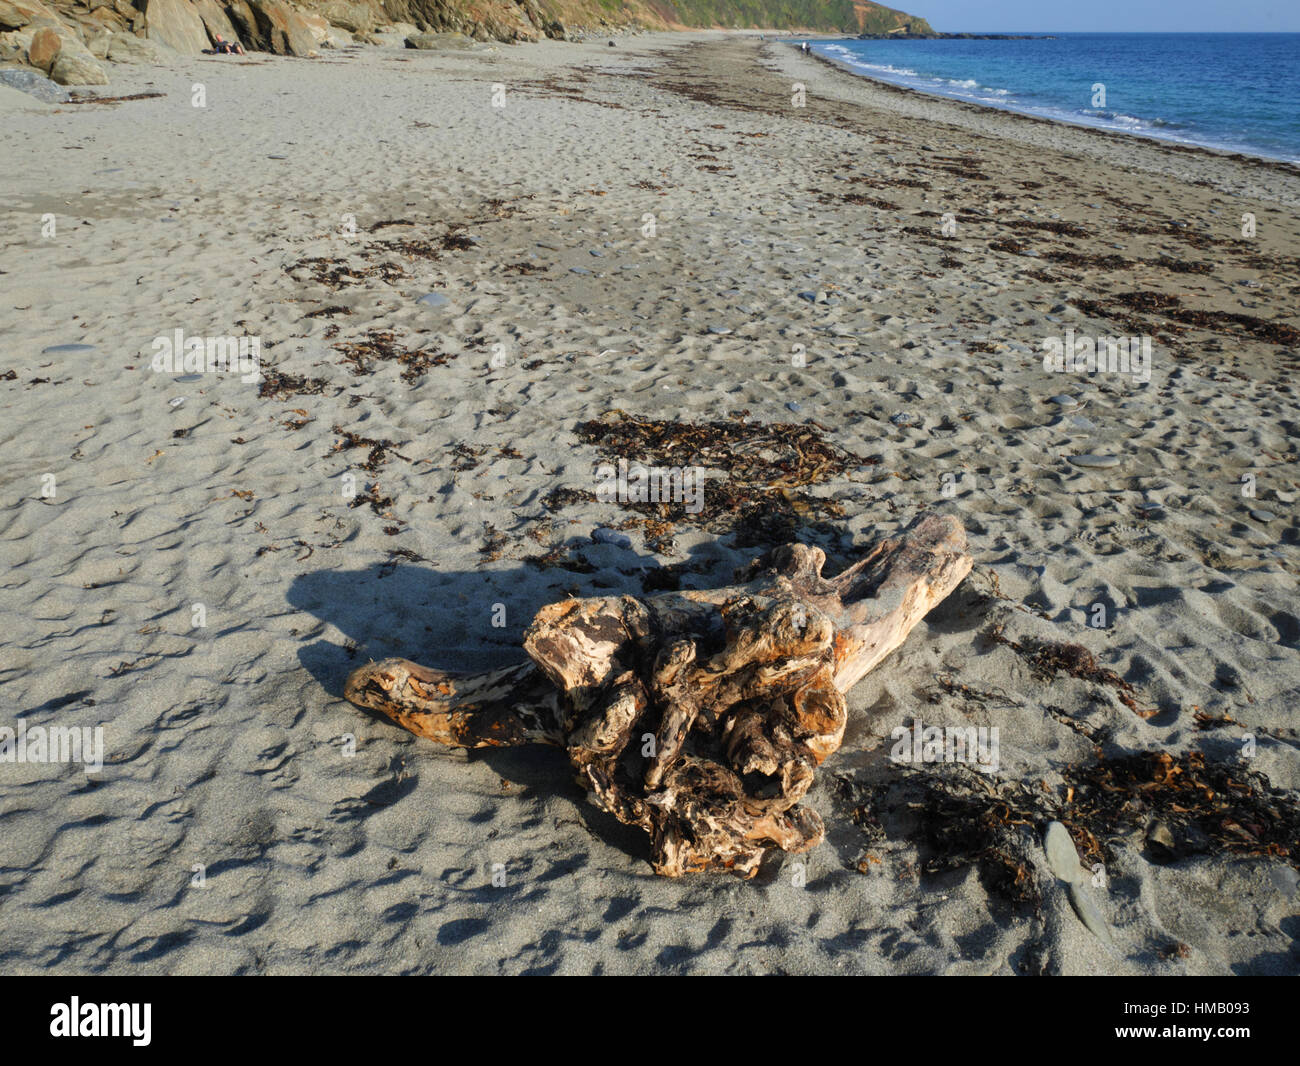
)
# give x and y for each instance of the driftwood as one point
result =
(697, 715)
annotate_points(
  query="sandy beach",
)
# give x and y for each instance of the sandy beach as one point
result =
(453, 260)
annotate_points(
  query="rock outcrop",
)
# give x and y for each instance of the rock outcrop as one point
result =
(215, 20)
(128, 48)
(71, 39)
(283, 28)
(176, 24)
(44, 48)
(77, 67)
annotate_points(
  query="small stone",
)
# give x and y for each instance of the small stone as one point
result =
(903, 418)
(277, 157)
(60, 348)
(1062, 856)
(1262, 516)
(433, 299)
(1098, 462)
(811, 297)
(579, 270)
(176, 401)
(1079, 422)
(1086, 909)
(1160, 835)
(609, 536)
(792, 406)
(721, 331)
(185, 379)
(594, 252)
(1065, 401)
(1286, 880)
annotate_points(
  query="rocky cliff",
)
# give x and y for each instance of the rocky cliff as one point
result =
(72, 41)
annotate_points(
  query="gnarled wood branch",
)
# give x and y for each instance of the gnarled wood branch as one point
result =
(698, 715)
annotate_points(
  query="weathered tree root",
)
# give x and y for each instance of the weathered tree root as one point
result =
(698, 715)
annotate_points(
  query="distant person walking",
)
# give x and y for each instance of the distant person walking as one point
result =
(803, 47)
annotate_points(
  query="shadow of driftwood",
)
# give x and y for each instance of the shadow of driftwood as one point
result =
(470, 620)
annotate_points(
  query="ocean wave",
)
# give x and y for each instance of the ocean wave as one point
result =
(881, 68)
(1123, 121)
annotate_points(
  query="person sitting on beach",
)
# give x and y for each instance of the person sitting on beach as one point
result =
(226, 48)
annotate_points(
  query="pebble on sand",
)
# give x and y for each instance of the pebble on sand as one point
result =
(1065, 401)
(57, 349)
(609, 536)
(1062, 856)
(1086, 909)
(433, 299)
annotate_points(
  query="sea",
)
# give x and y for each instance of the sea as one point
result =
(1239, 92)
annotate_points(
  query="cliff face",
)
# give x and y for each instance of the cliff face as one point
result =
(522, 19)
(846, 16)
(72, 40)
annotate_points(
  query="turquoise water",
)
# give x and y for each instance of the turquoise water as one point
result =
(1234, 91)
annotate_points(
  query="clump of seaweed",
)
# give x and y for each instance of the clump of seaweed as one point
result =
(1209, 807)
(379, 449)
(1219, 321)
(335, 273)
(391, 564)
(964, 818)
(764, 471)
(381, 505)
(1048, 658)
(414, 247)
(456, 242)
(861, 199)
(277, 385)
(961, 819)
(382, 346)
(777, 454)
(1011, 247)
(560, 556)
(1063, 229)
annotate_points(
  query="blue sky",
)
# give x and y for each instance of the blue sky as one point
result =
(1106, 16)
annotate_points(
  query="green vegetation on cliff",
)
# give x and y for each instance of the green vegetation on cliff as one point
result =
(847, 16)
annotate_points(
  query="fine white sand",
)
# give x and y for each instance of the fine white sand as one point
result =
(227, 744)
